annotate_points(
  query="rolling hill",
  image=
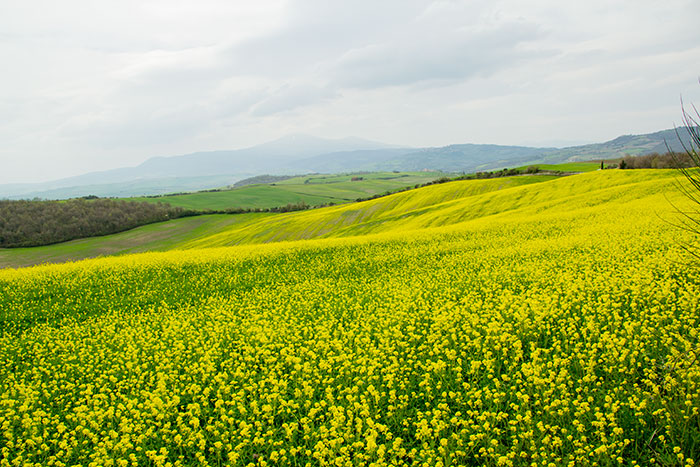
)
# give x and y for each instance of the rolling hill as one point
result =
(313, 190)
(635, 145)
(474, 157)
(530, 320)
(448, 204)
(439, 205)
(303, 154)
(195, 171)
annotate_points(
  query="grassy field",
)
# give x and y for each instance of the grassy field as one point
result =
(566, 167)
(313, 190)
(436, 205)
(432, 206)
(447, 204)
(200, 231)
(160, 236)
(549, 323)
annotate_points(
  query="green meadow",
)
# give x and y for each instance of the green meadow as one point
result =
(313, 190)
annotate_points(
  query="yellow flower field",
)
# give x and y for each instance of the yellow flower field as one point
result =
(565, 334)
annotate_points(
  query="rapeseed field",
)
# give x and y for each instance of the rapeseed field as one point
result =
(563, 330)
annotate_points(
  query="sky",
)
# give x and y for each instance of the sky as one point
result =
(91, 85)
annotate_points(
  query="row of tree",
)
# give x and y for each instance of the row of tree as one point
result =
(670, 160)
(289, 207)
(31, 223)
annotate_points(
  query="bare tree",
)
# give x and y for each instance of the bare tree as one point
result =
(691, 147)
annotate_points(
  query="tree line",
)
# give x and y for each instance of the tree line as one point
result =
(669, 160)
(31, 223)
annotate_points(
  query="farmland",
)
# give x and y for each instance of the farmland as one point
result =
(200, 231)
(313, 190)
(567, 167)
(160, 236)
(517, 321)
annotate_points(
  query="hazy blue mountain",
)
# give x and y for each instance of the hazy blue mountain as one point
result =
(462, 158)
(303, 154)
(257, 159)
(344, 161)
(480, 157)
(303, 146)
(621, 146)
(195, 171)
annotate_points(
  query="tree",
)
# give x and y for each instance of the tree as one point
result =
(691, 148)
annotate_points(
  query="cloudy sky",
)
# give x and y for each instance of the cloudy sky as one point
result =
(88, 85)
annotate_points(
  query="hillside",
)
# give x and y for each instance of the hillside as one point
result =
(658, 142)
(481, 157)
(449, 204)
(304, 154)
(193, 171)
(521, 321)
(188, 232)
(32, 223)
(161, 236)
(464, 158)
(313, 190)
(433, 206)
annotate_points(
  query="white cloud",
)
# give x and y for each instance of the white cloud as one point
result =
(441, 56)
(289, 98)
(92, 85)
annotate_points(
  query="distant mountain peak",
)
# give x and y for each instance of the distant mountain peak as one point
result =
(300, 144)
(296, 138)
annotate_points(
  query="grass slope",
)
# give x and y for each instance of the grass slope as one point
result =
(566, 167)
(202, 231)
(433, 206)
(313, 190)
(556, 326)
(447, 204)
(161, 236)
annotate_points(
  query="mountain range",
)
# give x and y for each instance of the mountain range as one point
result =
(298, 154)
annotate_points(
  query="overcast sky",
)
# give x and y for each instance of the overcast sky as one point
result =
(89, 85)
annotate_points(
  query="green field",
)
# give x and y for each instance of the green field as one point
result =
(216, 230)
(531, 320)
(313, 190)
(433, 206)
(566, 167)
(159, 236)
